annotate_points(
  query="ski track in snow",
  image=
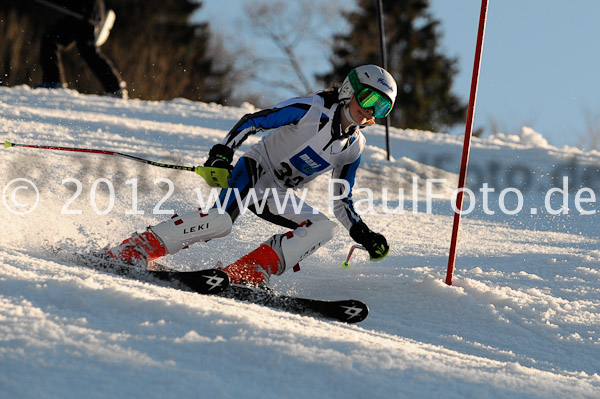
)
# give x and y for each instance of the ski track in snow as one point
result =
(522, 319)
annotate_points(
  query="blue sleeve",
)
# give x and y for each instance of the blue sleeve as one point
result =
(344, 208)
(264, 120)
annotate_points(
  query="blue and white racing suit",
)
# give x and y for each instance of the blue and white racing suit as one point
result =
(305, 140)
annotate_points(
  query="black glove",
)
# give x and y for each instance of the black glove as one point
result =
(220, 156)
(374, 243)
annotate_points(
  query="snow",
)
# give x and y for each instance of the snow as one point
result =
(522, 319)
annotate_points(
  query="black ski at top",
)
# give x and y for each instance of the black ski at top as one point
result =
(216, 282)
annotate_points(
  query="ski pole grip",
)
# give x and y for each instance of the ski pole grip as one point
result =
(214, 177)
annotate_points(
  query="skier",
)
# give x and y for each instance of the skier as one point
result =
(308, 136)
(82, 18)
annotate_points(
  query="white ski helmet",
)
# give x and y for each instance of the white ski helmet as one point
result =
(371, 76)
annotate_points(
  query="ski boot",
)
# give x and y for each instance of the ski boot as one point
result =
(139, 250)
(255, 268)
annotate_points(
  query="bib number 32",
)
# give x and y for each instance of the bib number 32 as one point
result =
(285, 174)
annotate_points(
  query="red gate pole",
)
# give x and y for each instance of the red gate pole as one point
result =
(467, 144)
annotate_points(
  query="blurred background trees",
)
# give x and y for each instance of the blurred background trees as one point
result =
(165, 49)
(160, 51)
(423, 73)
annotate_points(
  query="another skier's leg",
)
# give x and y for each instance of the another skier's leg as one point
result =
(51, 46)
(99, 64)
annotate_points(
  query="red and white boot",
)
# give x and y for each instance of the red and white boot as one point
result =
(255, 268)
(139, 249)
(280, 252)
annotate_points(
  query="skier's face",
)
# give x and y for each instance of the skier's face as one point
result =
(361, 115)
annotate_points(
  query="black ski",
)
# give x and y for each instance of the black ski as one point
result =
(347, 311)
(208, 281)
(216, 282)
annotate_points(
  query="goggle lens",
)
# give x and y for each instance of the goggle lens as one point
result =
(368, 98)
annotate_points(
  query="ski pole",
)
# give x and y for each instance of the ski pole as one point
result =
(215, 177)
(104, 27)
(346, 263)
(65, 11)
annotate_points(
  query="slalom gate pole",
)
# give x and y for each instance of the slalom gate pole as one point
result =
(385, 66)
(467, 143)
(215, 177)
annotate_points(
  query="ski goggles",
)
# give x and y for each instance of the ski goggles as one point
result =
(369, 98)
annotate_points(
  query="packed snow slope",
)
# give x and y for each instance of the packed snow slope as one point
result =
(522, 319)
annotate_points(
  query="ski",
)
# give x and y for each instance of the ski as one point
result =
(216, 282)
(207, 281)
(348, 311)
